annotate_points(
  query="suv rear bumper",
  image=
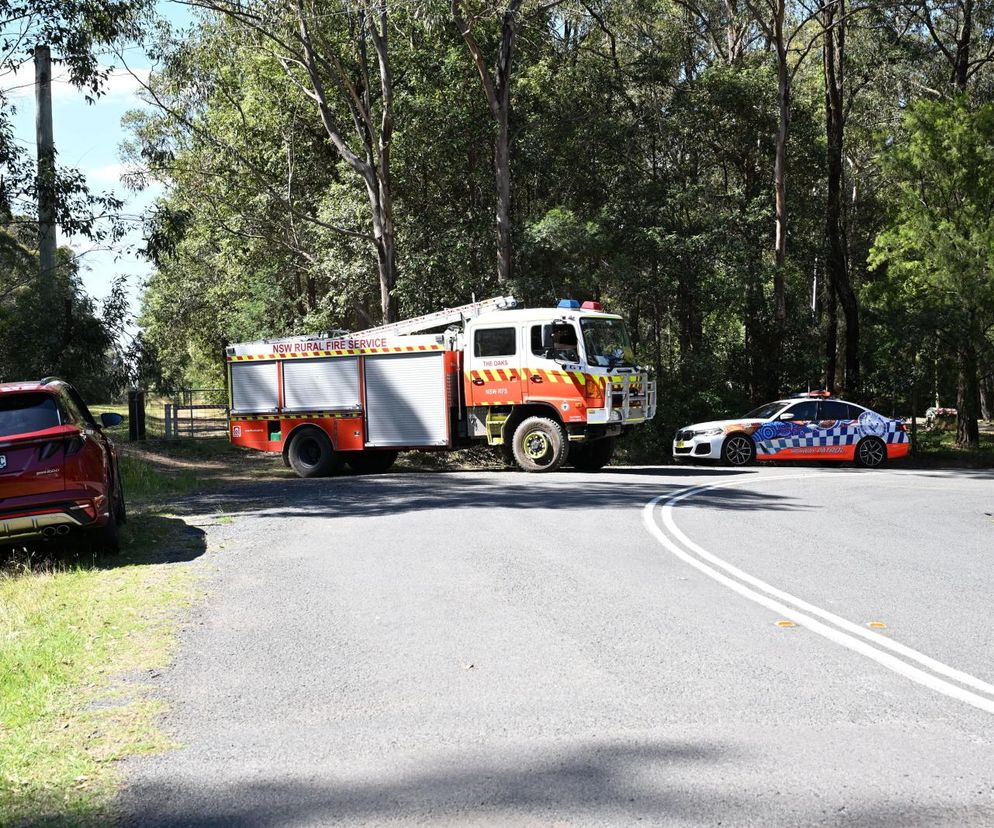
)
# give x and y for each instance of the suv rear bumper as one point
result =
(36, 516)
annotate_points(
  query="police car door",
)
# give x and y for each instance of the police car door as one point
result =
(800, 437)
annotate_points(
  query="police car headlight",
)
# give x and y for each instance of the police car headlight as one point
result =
(712, 432)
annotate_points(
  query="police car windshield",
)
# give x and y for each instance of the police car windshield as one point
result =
(764, 412)
(606, 342)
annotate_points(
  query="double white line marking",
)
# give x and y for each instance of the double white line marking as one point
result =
(874, 646)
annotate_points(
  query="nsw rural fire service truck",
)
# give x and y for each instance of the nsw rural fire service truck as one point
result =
(547, 385)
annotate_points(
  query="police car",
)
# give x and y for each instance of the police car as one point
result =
(810, 426)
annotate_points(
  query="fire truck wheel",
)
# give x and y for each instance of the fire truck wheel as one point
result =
(312, 455)
(593, 456)
(371, 462)
(540, 444)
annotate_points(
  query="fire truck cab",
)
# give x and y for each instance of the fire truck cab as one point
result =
(547, 385)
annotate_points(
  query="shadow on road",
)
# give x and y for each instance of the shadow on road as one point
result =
(374, 496)
(596, 780)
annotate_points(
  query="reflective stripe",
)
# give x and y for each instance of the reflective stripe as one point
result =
(348, 352)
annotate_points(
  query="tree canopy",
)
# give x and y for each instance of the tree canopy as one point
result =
(743, 181)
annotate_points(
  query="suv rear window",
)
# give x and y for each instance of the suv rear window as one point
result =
(21, 413)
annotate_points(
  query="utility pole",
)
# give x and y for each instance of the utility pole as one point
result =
(46, 164)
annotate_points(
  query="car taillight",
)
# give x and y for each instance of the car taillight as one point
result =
(902, 427)
(87, 507)
(74, 445)
(48, 449)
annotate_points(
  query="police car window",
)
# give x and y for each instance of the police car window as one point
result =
(494, 342)
(807, 410)
(765, 411)
(854, 411)
(834, 410)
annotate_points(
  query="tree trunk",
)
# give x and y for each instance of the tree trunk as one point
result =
(967, 398)
(831, 337)
(987, 397)
(383, 238)
(497, 91)
(780, 174)
(837, 261)
(502, 171)
(961, 58)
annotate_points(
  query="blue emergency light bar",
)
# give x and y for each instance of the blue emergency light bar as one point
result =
(572, 304)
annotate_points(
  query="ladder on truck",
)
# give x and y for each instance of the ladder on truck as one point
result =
(449, 316)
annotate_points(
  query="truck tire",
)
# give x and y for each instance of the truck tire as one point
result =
(592, 456)
(312, 455)
(540, 444)
(370, 462)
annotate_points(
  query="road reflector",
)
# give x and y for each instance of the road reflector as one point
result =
(783, 622)
(877, 625)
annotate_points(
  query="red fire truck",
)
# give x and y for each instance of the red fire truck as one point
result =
(548, 385)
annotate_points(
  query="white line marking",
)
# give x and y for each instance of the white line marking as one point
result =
(805, 619)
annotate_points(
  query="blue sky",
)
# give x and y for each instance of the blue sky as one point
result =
(88, 137)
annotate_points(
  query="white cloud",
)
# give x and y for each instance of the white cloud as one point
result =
(120, 85)
(108, 174)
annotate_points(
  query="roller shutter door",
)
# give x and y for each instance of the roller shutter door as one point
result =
(406, 401)
(254, 387)
(321, 384)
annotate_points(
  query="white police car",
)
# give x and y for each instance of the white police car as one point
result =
(811, 426)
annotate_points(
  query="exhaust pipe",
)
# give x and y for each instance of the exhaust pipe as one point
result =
(48, 531)
(62, 529)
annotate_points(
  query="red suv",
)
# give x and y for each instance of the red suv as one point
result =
(58, 470)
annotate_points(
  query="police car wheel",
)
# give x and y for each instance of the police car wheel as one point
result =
(738, 450)
(593, 456)
(871, 453)
(312, 455)
(370, 462)
(540, 445)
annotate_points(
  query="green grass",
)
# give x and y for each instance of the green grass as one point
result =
(79, 639)
(939, 446)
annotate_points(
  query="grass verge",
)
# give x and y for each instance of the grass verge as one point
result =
(938, 448)
(81, 640)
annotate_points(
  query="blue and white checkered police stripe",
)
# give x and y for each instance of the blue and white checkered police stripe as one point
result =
(895, 434)
(841, 434)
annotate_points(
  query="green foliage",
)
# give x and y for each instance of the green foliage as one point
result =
(937, 253)
(641, 158)
(939, 249)
(54, 328)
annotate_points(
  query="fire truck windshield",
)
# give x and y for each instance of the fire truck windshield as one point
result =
(607, 344)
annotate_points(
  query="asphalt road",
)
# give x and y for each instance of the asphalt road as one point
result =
(506, 649)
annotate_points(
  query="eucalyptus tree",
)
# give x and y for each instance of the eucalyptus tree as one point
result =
(938, 250)
(339, 59)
